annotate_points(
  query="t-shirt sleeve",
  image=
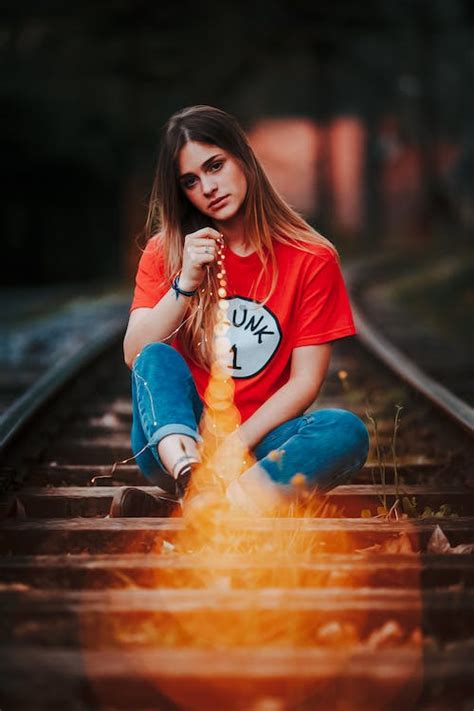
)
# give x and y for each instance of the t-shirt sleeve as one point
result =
(150, 282)
(325, 313)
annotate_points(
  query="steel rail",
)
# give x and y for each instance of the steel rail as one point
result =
(18, 415)
(14, 420)
(372, 338)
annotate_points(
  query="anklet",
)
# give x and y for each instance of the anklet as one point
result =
(186, 457)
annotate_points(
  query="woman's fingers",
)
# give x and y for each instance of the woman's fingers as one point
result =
(203, 249)
(203, 243)
(208, 246)
(200, 249)
(201, 255)
(203, 237)
(208, 232)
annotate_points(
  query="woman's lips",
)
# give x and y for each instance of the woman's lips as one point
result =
(218, 203)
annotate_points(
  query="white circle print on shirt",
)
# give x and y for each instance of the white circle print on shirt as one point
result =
(254, 334)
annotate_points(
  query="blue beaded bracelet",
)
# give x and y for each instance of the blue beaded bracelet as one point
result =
(175, 286)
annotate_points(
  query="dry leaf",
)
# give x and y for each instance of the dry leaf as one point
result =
(396, 544)
(337, 634)
(438, 543)
(370, 549)
(389, 634)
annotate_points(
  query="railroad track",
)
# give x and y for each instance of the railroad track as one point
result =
(47, 325)
(356, 609)
(439, 357)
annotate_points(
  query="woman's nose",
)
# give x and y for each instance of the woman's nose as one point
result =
(208, 185)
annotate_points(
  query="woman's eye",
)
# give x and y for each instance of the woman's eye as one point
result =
(189, 182)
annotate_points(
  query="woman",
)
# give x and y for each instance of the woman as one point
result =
(216, 223)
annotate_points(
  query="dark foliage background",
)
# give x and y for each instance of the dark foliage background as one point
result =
(86, 87)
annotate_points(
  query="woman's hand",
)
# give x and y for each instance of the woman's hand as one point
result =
(255, 493)
(230, 457)
(200, 249)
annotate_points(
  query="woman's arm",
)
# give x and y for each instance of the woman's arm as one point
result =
(309, 365)
(147, 325)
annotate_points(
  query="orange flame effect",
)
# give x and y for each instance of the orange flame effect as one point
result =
(234, 557)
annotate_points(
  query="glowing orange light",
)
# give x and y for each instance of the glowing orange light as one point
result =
(282, 555)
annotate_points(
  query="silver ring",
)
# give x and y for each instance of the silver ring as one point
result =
(206, 249)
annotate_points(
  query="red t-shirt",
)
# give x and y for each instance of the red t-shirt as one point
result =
(309, 306)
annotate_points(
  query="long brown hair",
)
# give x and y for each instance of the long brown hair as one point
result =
(171, 216)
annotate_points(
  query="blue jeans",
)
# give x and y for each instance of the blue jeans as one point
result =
(328, 446)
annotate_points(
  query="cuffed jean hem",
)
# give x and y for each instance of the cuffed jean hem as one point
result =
(327, 446)
(166, 430)
(173, 429)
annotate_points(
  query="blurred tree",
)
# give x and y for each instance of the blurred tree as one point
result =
(85, 90)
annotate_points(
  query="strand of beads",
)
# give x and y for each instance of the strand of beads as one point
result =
(221, 342)
(222, 416)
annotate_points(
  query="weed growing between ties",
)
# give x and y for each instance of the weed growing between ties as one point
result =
(402, 506)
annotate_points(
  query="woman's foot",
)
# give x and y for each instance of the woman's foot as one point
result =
(132, 502)
(182, 472)
(255, 493)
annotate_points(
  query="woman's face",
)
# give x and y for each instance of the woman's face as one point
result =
(208, 173)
